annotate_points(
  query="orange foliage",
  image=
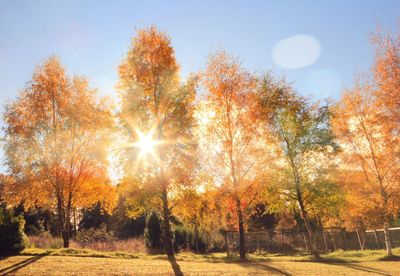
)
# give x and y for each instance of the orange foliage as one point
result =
(229, 133)
(56, 138)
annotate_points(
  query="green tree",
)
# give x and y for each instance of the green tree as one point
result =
(304, 145)
(12, 236)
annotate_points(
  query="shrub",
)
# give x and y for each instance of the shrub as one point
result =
(185, 239)
(201, 242)
(133, 245)
(87, 236)
(46, 241)
(94, 217)
(153, 233)
(181, 238)
(102, 240)
(12, 236)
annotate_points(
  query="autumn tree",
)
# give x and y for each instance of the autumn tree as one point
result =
(299, 134)
(55, 145)
(157, 115)
(370, 141)
(228, 133)
(358, 213)
(386, 72)
(192, 208)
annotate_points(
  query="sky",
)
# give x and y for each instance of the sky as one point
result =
(316, 45)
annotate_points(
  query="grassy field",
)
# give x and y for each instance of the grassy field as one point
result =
(86, 262)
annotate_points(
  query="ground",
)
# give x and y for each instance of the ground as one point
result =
(81, 262)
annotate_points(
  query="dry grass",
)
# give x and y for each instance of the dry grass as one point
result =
(130, 245)
(89, 262)
(46, 241)
(67, 265)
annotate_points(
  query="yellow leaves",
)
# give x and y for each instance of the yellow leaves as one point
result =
(154, 102)
(226, 81)
(151, 64)
(386, 71)
(227, 130)
(94, 191)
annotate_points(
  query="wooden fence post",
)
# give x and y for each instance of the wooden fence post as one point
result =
(333, 241)
(225, 234)
(359, 239)
(345, 247)
(325, 241)
(378, 244)
(305, 242)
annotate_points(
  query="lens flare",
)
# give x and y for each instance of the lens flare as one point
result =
(146, 144)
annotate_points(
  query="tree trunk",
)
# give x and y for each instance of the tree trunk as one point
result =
(324, 235)
(386, 224)
(242, 245)
(359, 239)
(196, 238)
(306, 242)
(333, 241)
(167, 226)
(226, 243)
(303, 212)
(310, 232)
(325, 240)
(378, 244)
(67, 222)
(67, 229)
(345, 240)
(388, 240)
(61, 223)
(65, 239)
(75, 227)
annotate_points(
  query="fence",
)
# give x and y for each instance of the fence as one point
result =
(327, 240)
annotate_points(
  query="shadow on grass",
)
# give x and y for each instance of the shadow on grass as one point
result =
(214, 259)
(359, 268)
(392, 258)
(352, 265)
(263, 266)
(17, 266)
(175, 266)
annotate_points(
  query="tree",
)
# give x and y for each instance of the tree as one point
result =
(55, 145)
(122, 224)
(228, 133)
(191, 207)
(358, 213)
(386, 73)
(261, 218)
(304, 144)
(94, 217)
(155, 103)
(153, 233)
(369, 138)
(12, 236)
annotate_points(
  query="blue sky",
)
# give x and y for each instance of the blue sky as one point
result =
(92, 37)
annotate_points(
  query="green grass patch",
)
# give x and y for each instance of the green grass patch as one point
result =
(360, 255)
(79, 253)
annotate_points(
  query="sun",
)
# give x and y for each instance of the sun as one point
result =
(146, 144)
